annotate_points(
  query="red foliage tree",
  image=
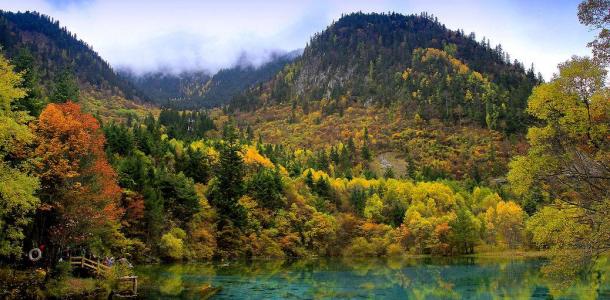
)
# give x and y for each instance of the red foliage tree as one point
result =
(79, 190)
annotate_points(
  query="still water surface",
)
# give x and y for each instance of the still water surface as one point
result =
(464, 278)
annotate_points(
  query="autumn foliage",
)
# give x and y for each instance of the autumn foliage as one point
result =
(80, 192)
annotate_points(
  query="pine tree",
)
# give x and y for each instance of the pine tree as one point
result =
(351, 148)
(229, 184)
(266, 187)
(366, 153)
(309, 179)
(33, 102)
(249, 134)
(388, 173)
(64, 88)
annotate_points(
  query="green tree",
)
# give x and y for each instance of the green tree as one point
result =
(267, 188)
(366, 152)
(309, 179)
(153, 213)
(33, 102)
(65, 87)
(357, 198)
(180, 198)
(388, 173)
(172, 244)
(373, 208)
(197, 165)
(228, 184)
(464, 231)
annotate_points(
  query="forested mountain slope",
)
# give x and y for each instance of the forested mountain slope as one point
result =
(413, 61)
(54, 50)
(164, 87)
(198, 89)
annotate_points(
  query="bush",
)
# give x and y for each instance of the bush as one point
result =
(172, 244)
(202, 244)
(63, 270)
(360, 247)
(395, 250)
(263, 246)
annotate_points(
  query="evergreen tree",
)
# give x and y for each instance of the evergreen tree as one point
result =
(228, 186)
(366, 152)
(65, 87)
(357, 199)
(179, 196)
(153, 213)
(322, 188)
(197, 165)
(249, 134)
(309, 179)
(351, 148)
(388, 173)
(33, 101)
(267, 188)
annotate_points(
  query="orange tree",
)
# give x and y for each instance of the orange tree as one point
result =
(79, 192)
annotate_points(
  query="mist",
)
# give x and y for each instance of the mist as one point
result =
(188, 35)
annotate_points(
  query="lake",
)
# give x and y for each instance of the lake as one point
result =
(339, 278)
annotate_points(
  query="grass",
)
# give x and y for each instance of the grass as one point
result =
(72, 286)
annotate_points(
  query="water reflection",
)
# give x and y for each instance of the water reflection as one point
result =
(397, 278)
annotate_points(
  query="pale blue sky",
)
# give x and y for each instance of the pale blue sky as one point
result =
(189, 34)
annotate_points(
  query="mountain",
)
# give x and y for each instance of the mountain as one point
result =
(417, 98)
(55, 49)
(164, 88)
(413, 61)
(197, 89)
(227, 83)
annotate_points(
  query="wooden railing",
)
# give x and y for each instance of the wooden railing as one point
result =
(90, 264)
(104, 270)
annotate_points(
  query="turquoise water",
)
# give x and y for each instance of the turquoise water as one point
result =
(465, 278)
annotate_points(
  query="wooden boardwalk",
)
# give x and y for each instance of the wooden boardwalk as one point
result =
(104, 271)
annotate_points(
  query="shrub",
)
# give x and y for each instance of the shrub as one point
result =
(394, 250)
(360, 247)
(172, 244)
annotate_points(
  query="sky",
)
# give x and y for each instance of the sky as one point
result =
(179, 35)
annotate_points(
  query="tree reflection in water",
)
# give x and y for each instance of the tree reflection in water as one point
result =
(368, 278)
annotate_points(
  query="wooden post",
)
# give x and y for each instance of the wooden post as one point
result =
(135, 285)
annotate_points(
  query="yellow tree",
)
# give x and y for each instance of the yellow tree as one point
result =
(505, 224)
(569, 155)
(17, 186)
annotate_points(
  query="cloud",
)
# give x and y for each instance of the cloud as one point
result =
(65, 4)
(188, 34)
